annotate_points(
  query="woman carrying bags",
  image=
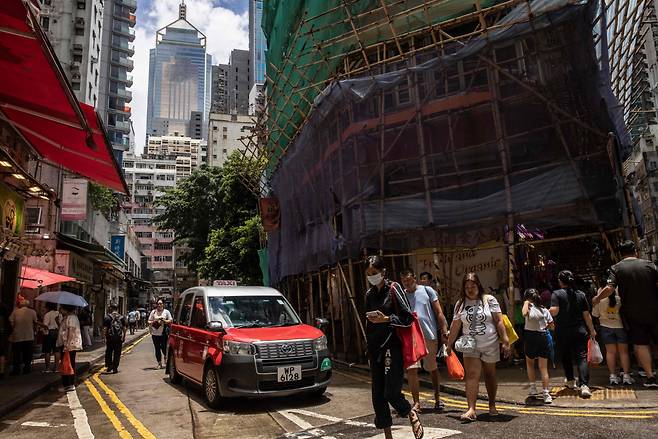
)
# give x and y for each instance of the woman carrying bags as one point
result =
(69, 341)
(386, 308)
(476, 329)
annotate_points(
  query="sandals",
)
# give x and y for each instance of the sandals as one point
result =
(466, 418)
(416, 426)
(439, 406)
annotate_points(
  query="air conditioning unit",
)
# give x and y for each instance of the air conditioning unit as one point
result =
(79, 22)
(75, 66)
(77, 49)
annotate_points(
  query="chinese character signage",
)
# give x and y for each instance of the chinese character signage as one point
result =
(74, 200)
(269, 213)
(118, 245)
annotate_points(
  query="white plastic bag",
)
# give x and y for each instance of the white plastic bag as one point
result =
(594, 355)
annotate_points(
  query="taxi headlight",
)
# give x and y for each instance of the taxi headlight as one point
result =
(237, 348)
(320, 344)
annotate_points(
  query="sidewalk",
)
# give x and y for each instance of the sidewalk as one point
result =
(20, 389)
(513, 388)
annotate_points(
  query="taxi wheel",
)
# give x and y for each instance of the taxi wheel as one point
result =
(211, 387)
(174, 376)
(318, 392)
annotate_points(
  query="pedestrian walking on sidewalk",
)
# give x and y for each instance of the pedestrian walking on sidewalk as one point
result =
(478, 316)
(158, 319)
(132, 320)
(114, 334)
(69, 341)
(23, 321)
(570, 309)
(387, 307)
(51, 321)
(424, 301)
(614, 337)
(538, 321)
(636, 280)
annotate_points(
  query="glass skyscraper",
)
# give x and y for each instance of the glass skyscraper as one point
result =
(180, 78)
(257, 42)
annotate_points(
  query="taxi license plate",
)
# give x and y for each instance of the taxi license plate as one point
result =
(289, 373)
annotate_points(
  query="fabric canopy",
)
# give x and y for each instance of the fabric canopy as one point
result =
(37, 100)
(34, 278)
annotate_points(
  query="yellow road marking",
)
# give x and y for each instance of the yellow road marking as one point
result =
(557, 411)
(141, 429)
(118, 426)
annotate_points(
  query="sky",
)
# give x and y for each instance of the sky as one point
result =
(224, 22)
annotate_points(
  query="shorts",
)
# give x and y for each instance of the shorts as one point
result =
(536, 344)
(490, 354)
(429, 361)
(642, 334)
(49, 342)
(613, 335)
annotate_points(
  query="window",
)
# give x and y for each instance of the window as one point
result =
(33, 215)
(185, 309)
(45, 23)
(198, 313)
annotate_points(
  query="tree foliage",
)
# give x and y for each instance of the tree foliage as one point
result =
(102, 199)
(213, 214)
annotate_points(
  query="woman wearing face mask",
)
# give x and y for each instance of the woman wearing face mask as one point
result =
(478, 315)
(387, 307)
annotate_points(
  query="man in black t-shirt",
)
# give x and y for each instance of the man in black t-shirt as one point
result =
(637, 283)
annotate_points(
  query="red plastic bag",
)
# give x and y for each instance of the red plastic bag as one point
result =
(65, 367)
(594, 355)
(455, 368)
(412, 338)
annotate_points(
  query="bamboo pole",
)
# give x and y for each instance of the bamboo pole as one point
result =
(330, 289)
(350, 288)
(310, 299)
(343, 320)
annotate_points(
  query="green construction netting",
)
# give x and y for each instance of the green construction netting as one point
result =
(307, 41)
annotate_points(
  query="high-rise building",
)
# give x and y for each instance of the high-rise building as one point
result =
(239, 79)
(116, 67)
(179, 78)
(257, 43)
(219, 102)
(74, 28)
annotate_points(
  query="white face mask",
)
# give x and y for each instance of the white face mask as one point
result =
(376, 279)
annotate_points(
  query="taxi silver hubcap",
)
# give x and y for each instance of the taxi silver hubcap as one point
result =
(211, 390)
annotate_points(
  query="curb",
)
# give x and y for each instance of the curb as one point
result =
(80, 369)
(450, 390)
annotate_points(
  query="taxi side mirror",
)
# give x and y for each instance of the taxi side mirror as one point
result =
(216, 326)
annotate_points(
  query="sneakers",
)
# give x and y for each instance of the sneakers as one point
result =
(650, 382)
(613, 380)
(69, 389)
(547, 397)
(585, 392)
(627, 380)
(570, 384)
(533, 390)
(642, 373)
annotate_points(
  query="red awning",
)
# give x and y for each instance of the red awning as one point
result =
(37, 100)
(34, 278)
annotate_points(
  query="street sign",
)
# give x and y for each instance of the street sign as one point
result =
(225, 283)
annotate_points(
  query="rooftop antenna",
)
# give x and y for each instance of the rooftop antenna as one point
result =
(182, 10)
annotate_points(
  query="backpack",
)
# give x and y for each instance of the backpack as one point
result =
(115, 331)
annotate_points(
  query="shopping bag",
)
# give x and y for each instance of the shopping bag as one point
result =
(509, 328)
(412, 338)
(455, 368)
(65, 367)
(594, 355)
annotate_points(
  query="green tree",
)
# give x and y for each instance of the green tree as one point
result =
(213, 214)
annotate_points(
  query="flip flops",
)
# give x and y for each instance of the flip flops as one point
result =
(416, 426)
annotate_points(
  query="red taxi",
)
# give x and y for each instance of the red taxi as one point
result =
(245, 341)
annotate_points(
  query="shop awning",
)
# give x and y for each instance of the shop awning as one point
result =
(36, 99)
(34, 278)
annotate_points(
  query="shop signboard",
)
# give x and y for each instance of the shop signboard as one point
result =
(11, 211)
(450, 265)
(269, 213)
(71, 264)
(74, 199)
(118, 245)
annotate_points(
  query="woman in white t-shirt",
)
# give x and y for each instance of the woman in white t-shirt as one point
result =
(614, 337)
(478, 315)
(159, 318)
(536, 346)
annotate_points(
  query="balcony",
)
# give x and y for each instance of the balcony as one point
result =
(124, 30)
(123, 62)
(123, 77)
(120, 44)
(121, 125)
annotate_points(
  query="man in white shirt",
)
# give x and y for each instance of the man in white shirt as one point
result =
(51, 321)
(159, 318)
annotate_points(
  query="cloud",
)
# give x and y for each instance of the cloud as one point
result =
(225, 24)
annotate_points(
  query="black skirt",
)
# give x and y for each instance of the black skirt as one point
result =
(536, 344)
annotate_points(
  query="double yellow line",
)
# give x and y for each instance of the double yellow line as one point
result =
(109, 412)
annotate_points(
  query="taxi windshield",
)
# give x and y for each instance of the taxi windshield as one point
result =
(251, 311)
